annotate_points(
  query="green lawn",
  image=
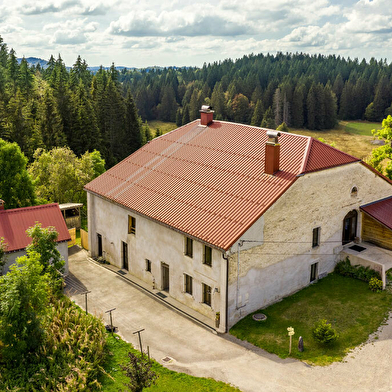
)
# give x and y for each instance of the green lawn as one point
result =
(163, 126)
(348, 304)
(168, 380)
(360, 127)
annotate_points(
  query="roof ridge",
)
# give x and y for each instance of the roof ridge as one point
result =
(306, 156)
(28, 208)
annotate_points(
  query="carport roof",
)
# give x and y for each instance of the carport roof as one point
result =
(381, 210)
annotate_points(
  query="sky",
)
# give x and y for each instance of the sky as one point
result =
(190, 32)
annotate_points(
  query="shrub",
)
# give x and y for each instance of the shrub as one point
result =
(324, 333)
(375, 284)
(360, 272)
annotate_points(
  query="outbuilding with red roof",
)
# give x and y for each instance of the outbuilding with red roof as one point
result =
(228, 218)
(15, 222)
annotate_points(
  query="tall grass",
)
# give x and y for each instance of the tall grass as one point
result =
(70, 358)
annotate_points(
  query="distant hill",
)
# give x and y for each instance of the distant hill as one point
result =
(34, 61)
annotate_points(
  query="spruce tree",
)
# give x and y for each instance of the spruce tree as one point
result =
(258, 113)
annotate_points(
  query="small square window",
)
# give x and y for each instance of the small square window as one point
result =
(313, 272)
(131, 225)
(148, 265)
(188, 282)
(188, 247)
(316, 237)
(207, 255)
(206, 294)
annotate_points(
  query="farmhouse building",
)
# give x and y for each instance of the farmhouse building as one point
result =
(228, 218)
(15, 222)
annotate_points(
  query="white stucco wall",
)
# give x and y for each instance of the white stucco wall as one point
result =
(281, 264)
(159, 244)
(62, 247)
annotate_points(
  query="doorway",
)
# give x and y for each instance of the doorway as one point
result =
(125, 255)
(99, 238)
(165, 277)
(350, 227)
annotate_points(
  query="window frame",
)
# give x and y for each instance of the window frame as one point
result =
(207, 294)
(148, 265)
(207, 249)
(188, 284)
(317, 231)
(189, 247)
(313, 272)
(131, 225)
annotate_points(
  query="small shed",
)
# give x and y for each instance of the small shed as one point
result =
(71, 214)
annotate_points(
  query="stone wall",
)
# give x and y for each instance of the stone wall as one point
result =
(159, 244)
(281, 263)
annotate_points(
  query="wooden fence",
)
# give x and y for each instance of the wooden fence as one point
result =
(72, 233)
(84, 238)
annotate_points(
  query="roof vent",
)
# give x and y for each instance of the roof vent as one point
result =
(206, 115)
(272, 152)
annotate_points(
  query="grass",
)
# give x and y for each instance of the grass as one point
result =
(165, 127)
(348, 304)
(352, 137)
(168, 380)
(360, 127)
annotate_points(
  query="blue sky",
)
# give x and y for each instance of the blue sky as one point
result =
(183, 32)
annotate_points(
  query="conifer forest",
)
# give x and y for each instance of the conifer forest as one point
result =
(58, 106)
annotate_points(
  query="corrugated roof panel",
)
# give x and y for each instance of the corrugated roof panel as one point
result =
(209, 182)
(381, 211)
(15, 222)
(322, 156)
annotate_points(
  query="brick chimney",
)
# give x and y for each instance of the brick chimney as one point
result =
(206, 115)
(2, 204)
(272, 152)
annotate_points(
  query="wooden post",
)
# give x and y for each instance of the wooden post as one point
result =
(140, 339)
(111, 320)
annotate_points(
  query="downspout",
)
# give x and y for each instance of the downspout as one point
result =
(240, 243)
(226, 294)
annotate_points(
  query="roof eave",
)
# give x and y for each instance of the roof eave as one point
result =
(158, 221)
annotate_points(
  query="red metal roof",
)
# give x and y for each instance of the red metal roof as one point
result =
(381, 211)
(15, 222)
(209, 182)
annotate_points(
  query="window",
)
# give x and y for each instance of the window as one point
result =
(206, 294)
(148, 265)
(354, 191)
(207, 255)
(188, 247)
(313, 272)
(316, 237)
(131, 225)
(188, 284)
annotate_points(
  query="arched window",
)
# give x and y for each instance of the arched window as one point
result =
(350, 227)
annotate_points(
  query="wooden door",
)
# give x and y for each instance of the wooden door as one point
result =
(125, 255)
(99, 237)
(349, 227)
(165, 277)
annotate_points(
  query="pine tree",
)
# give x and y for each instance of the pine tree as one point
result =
(133, 126)
(25, 78)
(297, 118)
(258, 113)
(49, 123)
(179, 117)
(185, 115)
(268, 119)
(218, 102)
